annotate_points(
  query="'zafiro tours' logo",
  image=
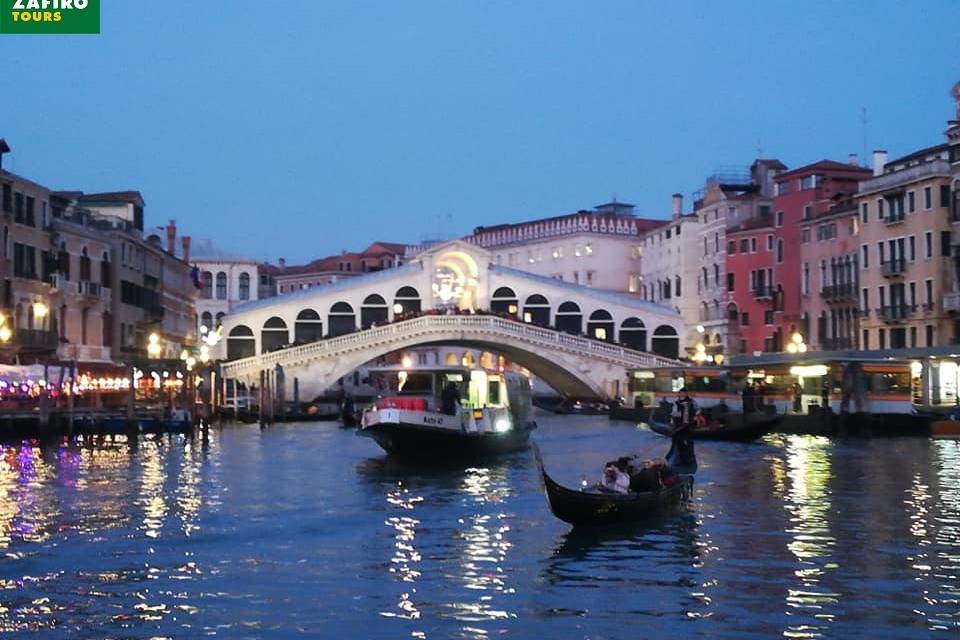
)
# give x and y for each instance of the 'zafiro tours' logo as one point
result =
(49, 16)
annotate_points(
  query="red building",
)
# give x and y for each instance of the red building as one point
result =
(763, 253)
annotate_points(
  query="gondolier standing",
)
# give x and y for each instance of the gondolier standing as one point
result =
(681, 449)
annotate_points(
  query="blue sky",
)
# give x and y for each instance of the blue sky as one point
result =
(302, 128)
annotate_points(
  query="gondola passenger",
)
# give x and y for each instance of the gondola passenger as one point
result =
(615, 479)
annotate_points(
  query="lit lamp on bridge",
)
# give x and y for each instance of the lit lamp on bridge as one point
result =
(397, 309)
(5, 332)
(796, 344)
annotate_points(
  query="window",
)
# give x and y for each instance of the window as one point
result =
(928, 198)
(911, 205)
(944, 196)
(753, 245)
(928, 292)
(84, 266)
(769, 242)
(805, 236)
(807, 212)
(29, 217)
(676, 286)
(929, 335)
(18, 207)
(7, 197)
(779, 250)
(768, 317)
(945, 244)
(731, 282)
(221, 286)
(779, 218)
(589, 277)
(716, 242)
(880, 209)
(805, 281)
(745, 245)
(588, 249)
(716, 275)
(244, 286)
(880, 252)
(913, 294)
(883, 338)
(913, 336)
(745, 319)
(928, 244)
(704, 245)
(865, 212)
(731, 247)
(913, 248)
(866, 300)
(783, 188)
(865, 256)
(206, 278)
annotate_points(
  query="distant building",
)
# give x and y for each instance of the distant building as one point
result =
(377, 257)
(226, 281)
(596, 248)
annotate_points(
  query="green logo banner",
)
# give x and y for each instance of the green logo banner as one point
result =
(49, 16)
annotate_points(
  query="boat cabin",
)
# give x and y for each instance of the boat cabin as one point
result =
(422, 389)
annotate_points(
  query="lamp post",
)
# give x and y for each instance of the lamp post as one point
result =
(796, 344)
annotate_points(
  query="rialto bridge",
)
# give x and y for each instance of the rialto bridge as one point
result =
(577, 339)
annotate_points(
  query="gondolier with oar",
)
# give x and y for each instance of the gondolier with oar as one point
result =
(681, 431)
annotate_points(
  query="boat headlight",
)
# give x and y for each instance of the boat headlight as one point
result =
(501, 425)
(478, 414)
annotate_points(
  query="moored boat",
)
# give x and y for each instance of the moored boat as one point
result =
(446, 413)
(736, 427)
(591, 506)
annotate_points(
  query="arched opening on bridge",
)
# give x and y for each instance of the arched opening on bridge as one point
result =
(241, 343)
(451, 359)
(373, 311)
(536, 310)
(341, 319)
(468, 360)
(274, 335)
(406, 300)
(633, 334)
(308, 327)
(504, 300)
(601, 325)
(665, 342)
(569, 318)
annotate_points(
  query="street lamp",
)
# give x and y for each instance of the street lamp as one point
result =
(700, 353)
(397, 309)
(796, 344)
(153, 346)
(5, 333)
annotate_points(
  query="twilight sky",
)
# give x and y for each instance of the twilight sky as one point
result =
(302, 128)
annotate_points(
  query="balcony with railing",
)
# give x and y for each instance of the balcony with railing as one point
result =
(839, 292)
(893, 268)
(35, 340)
(906, 176)
(896, 312)
(893, 217)
(763, 292)
(951, 301)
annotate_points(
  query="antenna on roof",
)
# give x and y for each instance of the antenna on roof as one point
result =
(863, 122)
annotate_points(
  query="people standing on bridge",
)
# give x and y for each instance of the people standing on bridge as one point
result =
(450, 399)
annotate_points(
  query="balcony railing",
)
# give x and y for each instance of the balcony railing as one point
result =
(89, 289)
(896, 313)
(35, 340)
(906, 176)
(837, 344)
(763, 292)
(847, 291)
(951, 301)
(892, 268)
(893, 218)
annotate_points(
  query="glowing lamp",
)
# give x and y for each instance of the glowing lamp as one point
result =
(512, 309)
(5, 334)
(791, 348)
(40, 310)
(398, 308)
(406, 362)
(796, 338)
(700, 328)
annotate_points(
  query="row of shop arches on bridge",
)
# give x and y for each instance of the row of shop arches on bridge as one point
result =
(309, 325)
(342, 318)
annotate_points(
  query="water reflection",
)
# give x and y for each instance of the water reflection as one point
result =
(405, 560)
(809, 504)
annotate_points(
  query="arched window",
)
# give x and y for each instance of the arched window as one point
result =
(451, 359)
(244, 286)
(221, 286)
(219, 319)
(406, 300)
(633, 333)
(206, 279)
(308, 327)
(341, 319)
(85, 271)
(569, 318)
(274, 335)
(504, 300)
(105, 270)
(601, 326)
(373, 311)
(206, 320)
(665, 342)
(536, 310)
(240, 343)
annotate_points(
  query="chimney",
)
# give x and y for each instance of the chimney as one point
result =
(677, 205)
(4, 148)
(879, 159)
(282, 262)
(186, 248)
(852, 160)
(172, 237)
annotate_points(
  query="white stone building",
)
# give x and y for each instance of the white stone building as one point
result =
(226, 281)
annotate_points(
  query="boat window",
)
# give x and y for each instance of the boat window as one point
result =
(493, 392)
(413, 383)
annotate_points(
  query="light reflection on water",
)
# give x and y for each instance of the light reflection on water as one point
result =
(307, 530)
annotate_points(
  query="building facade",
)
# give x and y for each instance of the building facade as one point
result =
(377, 257)
(225, 282)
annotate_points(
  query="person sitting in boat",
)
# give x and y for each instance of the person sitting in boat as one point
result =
(450, 399)
(615, 479)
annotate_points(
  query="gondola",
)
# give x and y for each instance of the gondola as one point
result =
(592, 507)
(736, 428)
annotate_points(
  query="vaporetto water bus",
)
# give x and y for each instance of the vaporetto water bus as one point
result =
(449, 412)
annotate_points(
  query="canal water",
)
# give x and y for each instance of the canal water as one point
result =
(305, 530)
